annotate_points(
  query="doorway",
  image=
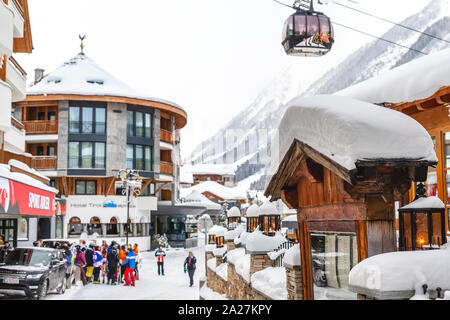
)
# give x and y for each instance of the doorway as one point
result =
(43, 231)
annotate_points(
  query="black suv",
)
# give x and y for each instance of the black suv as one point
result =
(36, 271)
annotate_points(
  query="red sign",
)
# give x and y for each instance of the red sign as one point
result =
(20, 198)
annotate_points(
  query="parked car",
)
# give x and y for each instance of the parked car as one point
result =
(51, 243)
(35, 271)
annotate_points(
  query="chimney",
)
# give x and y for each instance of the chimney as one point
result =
(38, 75)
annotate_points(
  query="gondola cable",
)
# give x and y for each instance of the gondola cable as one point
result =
(386, 20)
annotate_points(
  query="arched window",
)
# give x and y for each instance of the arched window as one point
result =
(112, 228)
(95, 226)
(75, 227)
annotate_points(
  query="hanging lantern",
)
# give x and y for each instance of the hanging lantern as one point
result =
(269, 219)
(220, 241)
(233, 217)
(211, 239)
(252, 217)
(422, 223)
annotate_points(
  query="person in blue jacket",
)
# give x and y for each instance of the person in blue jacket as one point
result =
(130, 265)
(98, 260)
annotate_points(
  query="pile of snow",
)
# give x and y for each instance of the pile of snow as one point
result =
(268, 209)
(222, 271)
(211, 264)
(209, 168)
(259, 242)
(208, 294)
(253, 211)
(210, 247)
(217, 189)
(23, 178)
(235, 254)
(242, 238)
(292, 256)
(346, 130)
(415, 80)
(195, 198)
(431, 202)
(405, 271)
(271, 282)
(242, 267)
(219, 252)
(231, 235)
(234, 212)
(273, 255)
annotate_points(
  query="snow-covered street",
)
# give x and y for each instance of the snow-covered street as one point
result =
(173, 286)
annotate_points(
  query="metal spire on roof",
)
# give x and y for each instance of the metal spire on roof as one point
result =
(82, 45)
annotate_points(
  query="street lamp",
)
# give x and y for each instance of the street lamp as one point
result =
(132, 184)
(269, 219)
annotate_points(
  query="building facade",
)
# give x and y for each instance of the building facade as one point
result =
(83, 126)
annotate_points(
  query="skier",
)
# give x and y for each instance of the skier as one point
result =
(69, 261)
(160, 253)
(130, 266)
(80, 262)
(89, 255)
(113, 261)
(190, 263)
(122, 257)
(136, 253)
(104, 254)
(98, 261)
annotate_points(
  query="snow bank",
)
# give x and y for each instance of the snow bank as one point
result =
(402, 271)
(234, 212)
(346, 130)
(425, 203)
(210, 247)
(271, 282)
(292, 256)
(258, 242)
(233, 234)
(208, 294)
(415, 80)
(268, 209)
(211, 263)
(222, 271)
(235, 254)
(253, 211)
(220, 251)
(242, 267)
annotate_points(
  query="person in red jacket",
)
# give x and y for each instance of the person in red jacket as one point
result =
(160, 253)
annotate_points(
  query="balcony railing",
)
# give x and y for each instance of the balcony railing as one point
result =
(41, 126)
(166, 168)
(44, 162)
(16, 123)
(166, 136)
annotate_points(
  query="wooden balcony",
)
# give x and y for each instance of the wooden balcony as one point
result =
(166, 136)
(166, 168)
(41, 126)
(44, 163)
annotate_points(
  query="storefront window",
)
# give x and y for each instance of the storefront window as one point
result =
(22, 229)
(112, 229)
(75, 227)
(59, 227)
(333, 255)
(95, 226)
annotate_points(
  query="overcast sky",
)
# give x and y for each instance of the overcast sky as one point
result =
(212, 57)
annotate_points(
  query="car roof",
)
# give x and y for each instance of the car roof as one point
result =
(38, 248)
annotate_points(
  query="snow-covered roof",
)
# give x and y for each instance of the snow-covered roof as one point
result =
(210, 168)
(347, 130)
(186, 177)
(195, 198)
(217, 231)
(82, 76)
(268, 209)
(253, 211)
(217, 189)
(25, 167)
(234, 212)
(23, 178)
(425, 203)
(415, 80)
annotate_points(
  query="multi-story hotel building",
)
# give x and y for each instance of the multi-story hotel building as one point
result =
(82, 126)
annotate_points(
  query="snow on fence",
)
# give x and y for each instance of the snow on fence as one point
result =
(278, 253)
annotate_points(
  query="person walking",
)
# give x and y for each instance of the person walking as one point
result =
(5, 250)
(89, 255)
(68, 255)
(113, 261)
(160, 253)
(104, 254)
(98, 261)
(189, 264)
(136, 253)
(80, 263)
(130, 266)
(122, 258)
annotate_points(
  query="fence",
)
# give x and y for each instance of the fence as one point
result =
(284, 246)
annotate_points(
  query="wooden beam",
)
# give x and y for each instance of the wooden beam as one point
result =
(306, 261)
(145, 185)
(361, 240)
(110, 185)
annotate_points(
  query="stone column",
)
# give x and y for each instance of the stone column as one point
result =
(294, 284)
(259, 261)
(104, 230)
(219, 260)
(230, 245)
(121, 231)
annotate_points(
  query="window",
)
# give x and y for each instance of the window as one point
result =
(39, 150)
(95, 226)
(112, 228)
(51, 115)
(75, 227)
(87, 155)
(22, 229)
(148, 191)
(58, 227)
(139, 124)
(139, 157)
(87, 120)
(50, 150)
(86, 187)
(41, 115)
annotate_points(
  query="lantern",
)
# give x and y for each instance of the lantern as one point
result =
(233, 217)
(211, 239)
(252, 217)
(269, 219)
(220, 241)
(422, 223)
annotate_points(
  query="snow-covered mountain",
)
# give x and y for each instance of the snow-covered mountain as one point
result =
(245, 140)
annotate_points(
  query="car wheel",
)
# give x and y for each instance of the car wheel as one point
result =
(62, 286)
(43, 290)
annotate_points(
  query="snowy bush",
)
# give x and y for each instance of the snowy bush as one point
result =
(162, 240)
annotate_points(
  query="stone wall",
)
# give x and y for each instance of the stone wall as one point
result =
(259, 261)
(219, 261)
(294, 282)
(63, 135)
(216, 283)
(116, 132)
(230, 246)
